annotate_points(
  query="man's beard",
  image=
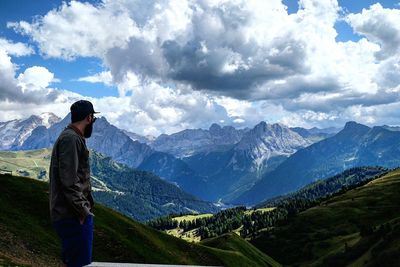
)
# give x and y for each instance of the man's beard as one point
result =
(88, 130)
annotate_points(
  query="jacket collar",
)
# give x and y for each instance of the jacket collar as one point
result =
(75, 129)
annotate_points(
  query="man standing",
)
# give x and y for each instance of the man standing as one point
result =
(71, 201)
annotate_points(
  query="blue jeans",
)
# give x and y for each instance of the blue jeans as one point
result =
(76, 240)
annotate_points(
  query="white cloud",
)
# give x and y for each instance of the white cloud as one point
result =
(11, 108)
(35, 78)
(155, 109)
(31, 86)
(190, 63)
(15, 49)
(102, 77)
(78, 29)
(380, 25)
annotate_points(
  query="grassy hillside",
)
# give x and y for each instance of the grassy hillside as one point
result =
(31, 163)
(233, 242)
(27, 237)
(358, 228)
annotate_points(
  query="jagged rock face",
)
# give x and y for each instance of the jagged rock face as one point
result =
(14, 133)
(113, 142)
(265, 141)
(188, 142)
(43, 137)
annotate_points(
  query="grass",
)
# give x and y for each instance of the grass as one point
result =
(189, 236)
(28, 163)
(249, 212)
(332, 232)
(232, 241)
(192, 217)
(27, 238)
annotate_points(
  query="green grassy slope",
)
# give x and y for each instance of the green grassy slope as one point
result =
(232, 241)
(27, 237)
(30, 163)
(359, 228)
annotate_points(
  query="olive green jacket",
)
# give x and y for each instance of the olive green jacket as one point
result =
(69, 175)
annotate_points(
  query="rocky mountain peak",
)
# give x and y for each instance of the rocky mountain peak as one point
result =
(352, 125)
(353, 129)
(215, 128)
(48, 118)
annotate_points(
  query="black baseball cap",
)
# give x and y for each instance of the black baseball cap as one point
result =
(81, 108)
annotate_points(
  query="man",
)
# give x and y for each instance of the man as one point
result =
(71, 201)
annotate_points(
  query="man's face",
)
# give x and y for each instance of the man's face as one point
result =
(89, 127)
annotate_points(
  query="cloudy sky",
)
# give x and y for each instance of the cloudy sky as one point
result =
(155, 67)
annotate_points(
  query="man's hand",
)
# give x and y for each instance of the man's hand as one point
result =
(81, 220)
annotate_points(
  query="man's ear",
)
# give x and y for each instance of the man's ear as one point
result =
(87, 118)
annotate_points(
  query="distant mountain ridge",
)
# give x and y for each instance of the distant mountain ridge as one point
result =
(188, 142)
(355, 145)
(14, 133)
(140, 138)
(316, 134)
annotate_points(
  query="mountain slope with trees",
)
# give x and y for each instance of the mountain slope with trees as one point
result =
(139, 194)
(360, 227)
(248, 222)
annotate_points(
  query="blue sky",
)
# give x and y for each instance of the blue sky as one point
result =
(66, 71)
(163, 66)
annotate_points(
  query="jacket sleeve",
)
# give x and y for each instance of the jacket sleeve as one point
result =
(68, 156)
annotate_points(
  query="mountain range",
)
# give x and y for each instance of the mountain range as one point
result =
(355, 145)
(232, 171)
(214, 164)
(188, 142)
(237, 166)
